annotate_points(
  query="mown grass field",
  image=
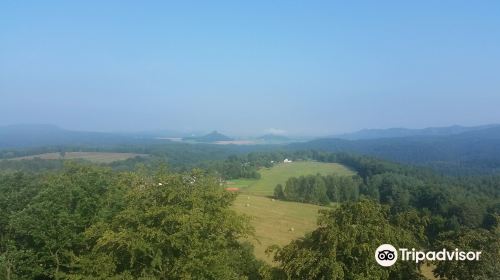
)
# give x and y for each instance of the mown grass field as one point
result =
(279, 222)
(278, 174)
(96, 157)
(274, 220)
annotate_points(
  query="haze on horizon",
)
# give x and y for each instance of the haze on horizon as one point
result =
(248, 68)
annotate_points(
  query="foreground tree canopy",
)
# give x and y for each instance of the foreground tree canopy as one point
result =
(344, 244)
(89, 223)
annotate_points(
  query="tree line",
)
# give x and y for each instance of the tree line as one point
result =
(318, 189)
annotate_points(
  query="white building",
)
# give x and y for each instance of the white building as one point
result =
(287, 161)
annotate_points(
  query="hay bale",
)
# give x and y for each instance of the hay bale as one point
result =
(247, 205)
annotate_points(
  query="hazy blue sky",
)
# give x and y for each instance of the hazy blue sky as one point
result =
(247, 67)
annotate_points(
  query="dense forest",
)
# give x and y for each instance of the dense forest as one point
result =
(318, 189)
(468, 153)
(158, 221)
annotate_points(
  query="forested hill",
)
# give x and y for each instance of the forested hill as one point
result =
(470, 152)
(212, 137)
(406, 132)
(21, 136)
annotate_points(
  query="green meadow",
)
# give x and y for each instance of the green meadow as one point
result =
(278, 174)
(279, 222)
(276, 222)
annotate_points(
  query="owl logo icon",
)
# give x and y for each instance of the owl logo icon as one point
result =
(386, 255)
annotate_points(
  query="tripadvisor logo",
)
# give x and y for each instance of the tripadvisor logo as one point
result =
(387, 255)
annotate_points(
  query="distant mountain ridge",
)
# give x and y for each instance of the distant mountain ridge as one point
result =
(212, 137)
(474, 151)
(37, 135)
(406, 132)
